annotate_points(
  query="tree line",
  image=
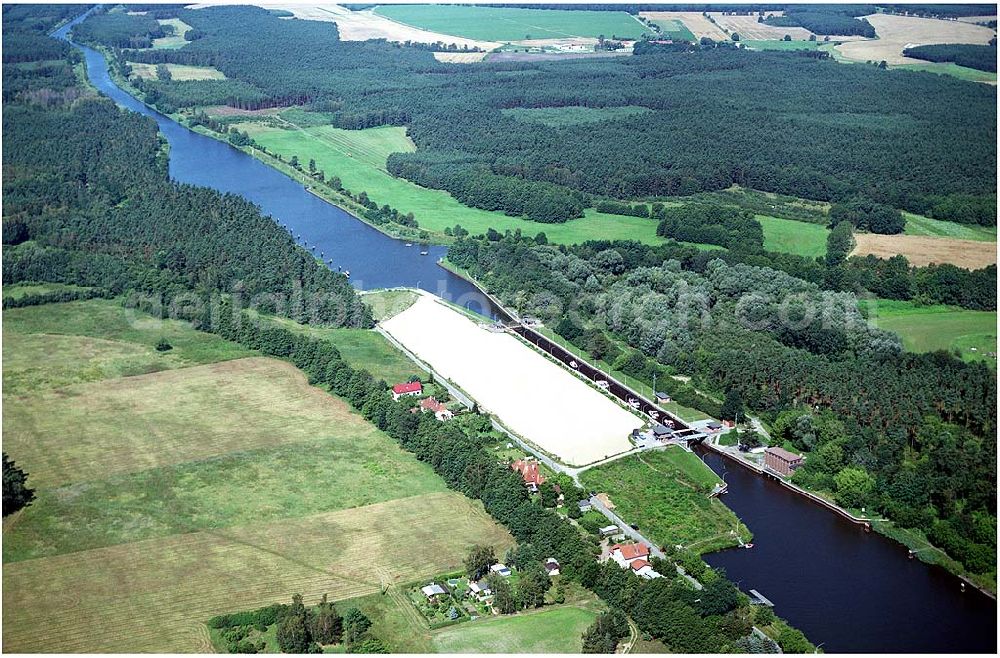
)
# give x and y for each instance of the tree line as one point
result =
(983, 58)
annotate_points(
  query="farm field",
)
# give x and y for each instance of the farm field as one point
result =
(952, 69)
(692, 20)
(666, 492)
(177, 72)
(532, 396)
(748, 28)
(920, 225)
(793, 237)
(938, 327)
(549, 630)
(176, 40)
(673, 28)
(155, 596)
(511, 24)
(924, 250)
(779, 44)
(358, 158)
(897, 32)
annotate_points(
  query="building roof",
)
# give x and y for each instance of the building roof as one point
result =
(432, 590)
(781, 453)
(432, 404)
(639, 564)
(529, 471)
(631, 551)
(408, 387)
(661, 429)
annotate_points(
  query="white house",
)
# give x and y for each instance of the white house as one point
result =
(501, 569)
(433, 590)
(645, 570)
(480, 590)
(407, 388)
(626, 554)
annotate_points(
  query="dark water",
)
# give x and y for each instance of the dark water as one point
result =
(846, 589)
(851, 590)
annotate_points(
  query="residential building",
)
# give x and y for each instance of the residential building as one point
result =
(433, 591)
(626, 554)
(782, 461)
(408, 388)
(644, 569)
(480, 590)
(584, 506)
(532, 476)
(501, 569)
(440, 411)
(609, 530)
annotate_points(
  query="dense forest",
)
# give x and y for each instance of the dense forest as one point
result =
(983, 58)
(920, 427)
(87, 200)
(827, 19)
(781, 122)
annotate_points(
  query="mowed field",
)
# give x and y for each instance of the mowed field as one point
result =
(177, 72)
(549, 630)
(535, 398)
(666, 492)
(924, 249)
(793, 237)
(176, 40)
(195, 490)
(692, 20)
(898, 32)
(920, 225)
(358, 158)
(938, 327)
(512, 24)
(748, 28)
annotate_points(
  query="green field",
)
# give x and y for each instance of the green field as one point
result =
(389, 303)
(778, 44)
(920, 225)
(794, 237)
(952, 69)
(938, 327)
(666, 493)
(19, 290)
(573, 115)
(178, 72)
(510, 24)
(176, 40)
(674, 29)
(549, 630)
(358, 158)
(166, 498)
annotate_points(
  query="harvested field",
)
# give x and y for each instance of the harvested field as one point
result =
(693, 20)
(364, 25)
(155, 596)
(977, 19)
(532, 396)
(91, 431)
(898, 32)
(459, 58)
(924, 250)
(177, 72)
(748, 28)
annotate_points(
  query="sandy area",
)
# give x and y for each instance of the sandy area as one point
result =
(698, 24)
(898, 32)
(924, 250)
(364, 25)
(535, 398)
(748, 28)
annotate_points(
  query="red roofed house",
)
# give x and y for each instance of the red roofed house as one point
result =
(626, 554)
(529, 471)
(441, 412)
(409, 388)
(645, 570)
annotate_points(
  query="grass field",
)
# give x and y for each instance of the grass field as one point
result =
(176, 40)
(780, 44)
(666, 493)
(673, 28)
(388, 303)
(574, 114)
(952, 69)
(510, 24)
(920, 225)
(168, 498)
(358, 158)
(177, 72)
(549, 630)
(20, 290)
(155, 596)
(937, 327)
(793, 237)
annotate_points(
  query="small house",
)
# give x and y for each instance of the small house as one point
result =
(584, 506)
(644, 569)
(528, 468)
(433, 591)
(480, 589)
(626, 554)
(609, 530)
(440, 411)
(552, 566)
(501, 569)
(661, 432)
(662, 397)
(408, 388)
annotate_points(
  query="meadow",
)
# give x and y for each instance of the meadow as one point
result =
(388, 303)
(793, 237)
(548, 630)
(176, 40)
(938, 327)
(510, 24)
(220, 482)
(19, 290)
(673, 28)
(780, 44)
(665, 492)
(920, 225)
(177, 71)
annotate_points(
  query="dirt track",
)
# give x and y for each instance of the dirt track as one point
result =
(924, 250)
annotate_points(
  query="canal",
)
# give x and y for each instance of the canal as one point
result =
(847, 590)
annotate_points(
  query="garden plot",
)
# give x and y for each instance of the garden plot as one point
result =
(532, 396)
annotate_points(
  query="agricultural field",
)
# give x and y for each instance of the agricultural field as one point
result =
(938, 327)
(693, 21)
(780, 44)
(924, 250)
(548, 630)
(177, 72)
(748, 28)
(574, 115)
(535, 398)
(176, 40)
(673, 28)
(358, 158)
(920, 225)
(793, 237)
(510, 24)
(666, 492)
(898, 32)
(166, 498)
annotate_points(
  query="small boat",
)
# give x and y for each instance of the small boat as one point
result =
(347, 273)
(409, 244)
(573, 365)
(747, 545)
(424, 252)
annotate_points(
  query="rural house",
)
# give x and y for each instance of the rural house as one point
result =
(528, 468)
(440, 411)
(584, 505)
(782, 461)
(501, 569)
(626, 554)
(644, 569)
(408, 388)
(480, 590)
(433, 591)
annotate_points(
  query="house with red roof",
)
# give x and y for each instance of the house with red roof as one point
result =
(408, 388)
(528, 468)
(626, 554)
(645, 570)
(440, 411)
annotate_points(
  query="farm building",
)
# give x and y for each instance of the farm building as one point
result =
(626, 554)
(408, 388)
(528, 468)
(782, 461)
(440, 411)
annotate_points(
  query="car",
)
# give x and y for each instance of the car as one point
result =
(634, 526)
